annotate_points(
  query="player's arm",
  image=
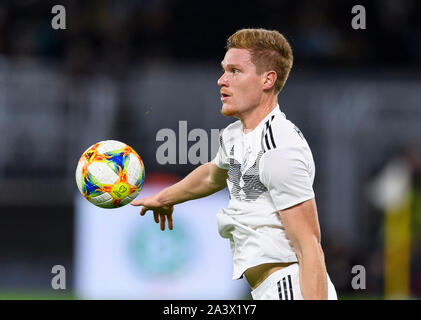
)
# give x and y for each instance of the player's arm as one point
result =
(286, 173)
(302, 228)
(203, 181)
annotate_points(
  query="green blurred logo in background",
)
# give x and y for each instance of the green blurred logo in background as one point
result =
(160, 253)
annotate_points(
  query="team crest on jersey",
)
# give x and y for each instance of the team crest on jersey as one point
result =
(246, 185)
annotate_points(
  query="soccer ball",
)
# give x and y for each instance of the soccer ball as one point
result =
(110, 174)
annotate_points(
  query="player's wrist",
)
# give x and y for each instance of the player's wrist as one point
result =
(164, 198)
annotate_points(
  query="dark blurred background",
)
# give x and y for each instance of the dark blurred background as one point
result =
(126, 69)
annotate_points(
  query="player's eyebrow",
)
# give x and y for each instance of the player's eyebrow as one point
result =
(229, 66)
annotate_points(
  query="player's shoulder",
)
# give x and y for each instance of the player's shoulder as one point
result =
(230, 131)
(278, 133)
(233, 127)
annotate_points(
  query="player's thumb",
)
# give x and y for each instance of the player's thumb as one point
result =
(138, 202)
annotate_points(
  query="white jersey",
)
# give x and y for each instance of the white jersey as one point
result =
(269, 169)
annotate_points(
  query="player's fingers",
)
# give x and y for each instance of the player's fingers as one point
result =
(155, 217)
(138, 202)
(143, 211)
(163, 219)
(170, 223)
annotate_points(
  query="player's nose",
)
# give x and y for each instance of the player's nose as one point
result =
(222, 81)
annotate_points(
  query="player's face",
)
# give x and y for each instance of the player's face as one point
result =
(241, 87)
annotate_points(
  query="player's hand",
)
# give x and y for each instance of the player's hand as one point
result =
(161, 212)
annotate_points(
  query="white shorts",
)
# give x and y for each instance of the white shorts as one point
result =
(284, 284)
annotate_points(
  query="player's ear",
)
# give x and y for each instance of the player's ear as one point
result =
(270, 78)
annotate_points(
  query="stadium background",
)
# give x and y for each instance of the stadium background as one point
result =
(126, 69)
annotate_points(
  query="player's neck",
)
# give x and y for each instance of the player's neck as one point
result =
(251, 120)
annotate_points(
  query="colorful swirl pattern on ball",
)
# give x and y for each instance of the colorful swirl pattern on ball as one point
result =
(118, 162)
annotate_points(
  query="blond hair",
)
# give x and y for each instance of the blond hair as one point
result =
(269, 51)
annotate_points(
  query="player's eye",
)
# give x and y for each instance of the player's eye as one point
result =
(234, 70)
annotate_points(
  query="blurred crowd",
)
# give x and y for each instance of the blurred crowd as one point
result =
(110, 35)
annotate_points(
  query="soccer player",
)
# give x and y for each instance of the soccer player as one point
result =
(264, 159)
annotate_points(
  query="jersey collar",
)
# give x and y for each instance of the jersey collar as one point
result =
(275, 111)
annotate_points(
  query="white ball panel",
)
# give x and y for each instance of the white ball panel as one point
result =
(105, 200)
(130, 198)
(110, 145)
(125, 201)
(133, 169)
(102, 172)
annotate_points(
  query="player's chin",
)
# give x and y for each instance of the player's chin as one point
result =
(228, 110)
